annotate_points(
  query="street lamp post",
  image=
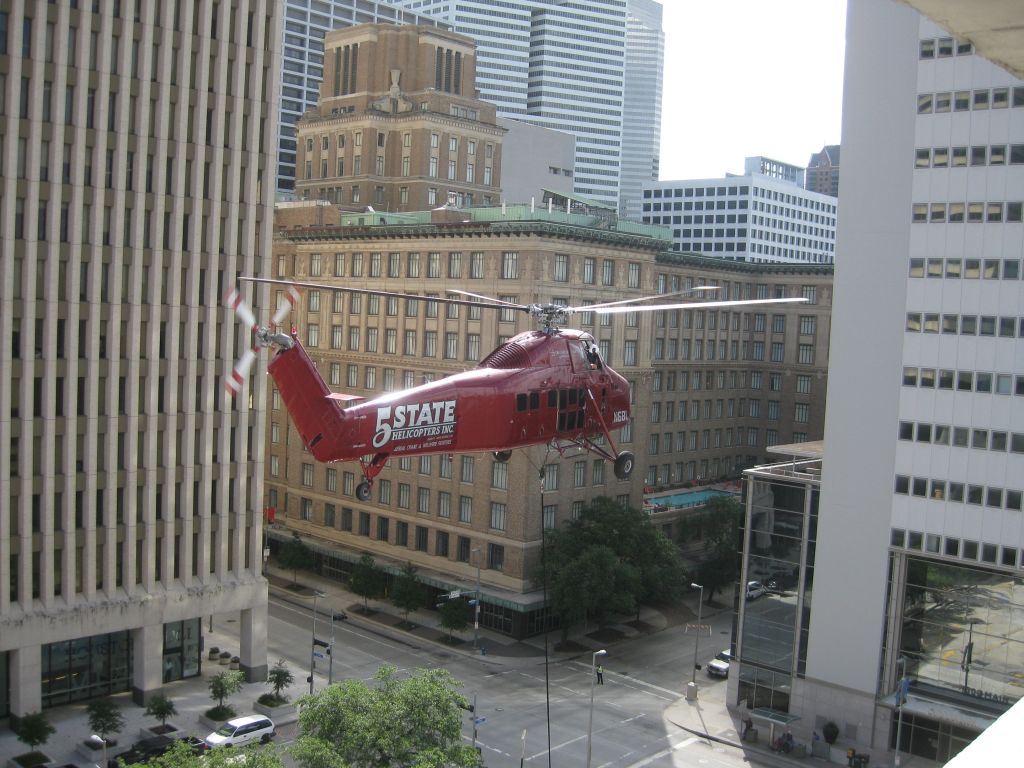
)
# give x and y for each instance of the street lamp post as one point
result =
(476, 608)
(590, 722)
(691, 689)
(901, 698)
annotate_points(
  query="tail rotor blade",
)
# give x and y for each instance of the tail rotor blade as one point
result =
(234, 382)
(233, 300)
(291, 296)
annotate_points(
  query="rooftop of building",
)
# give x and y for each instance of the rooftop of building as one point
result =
(801, 463)
(580, 223)
(699, 261)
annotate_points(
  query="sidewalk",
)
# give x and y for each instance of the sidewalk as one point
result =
(709, 717)
(383, 615)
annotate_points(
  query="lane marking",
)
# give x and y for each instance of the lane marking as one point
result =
(664, 753)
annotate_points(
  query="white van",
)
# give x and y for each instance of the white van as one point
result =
(242, 730)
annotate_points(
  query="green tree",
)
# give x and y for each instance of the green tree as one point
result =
(280, 677)
(592, 585)
(162, 708)
(412, 722)
(367, 580)
(622, 559)
(721, 525)
(294, 555)
(407, 593)
(182, 756)
(105, 717)
(222, 685)
(34, 730)
(454, 616)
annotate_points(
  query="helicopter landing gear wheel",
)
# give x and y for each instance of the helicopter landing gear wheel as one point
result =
(624, 465)
(502, 456)
(363, 491)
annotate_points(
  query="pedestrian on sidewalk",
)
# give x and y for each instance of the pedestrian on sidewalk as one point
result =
(600, 674)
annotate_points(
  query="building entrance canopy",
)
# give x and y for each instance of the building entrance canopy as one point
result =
(773, 718)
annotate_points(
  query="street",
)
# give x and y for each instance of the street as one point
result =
(642, 677)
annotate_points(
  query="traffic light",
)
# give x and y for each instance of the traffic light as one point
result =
(322, 644)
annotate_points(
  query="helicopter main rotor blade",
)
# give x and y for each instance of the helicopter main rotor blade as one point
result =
(498, 302)
(688, 291)
(374, 292)
(693, 305)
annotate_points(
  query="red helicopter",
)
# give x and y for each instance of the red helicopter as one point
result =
(548, 386)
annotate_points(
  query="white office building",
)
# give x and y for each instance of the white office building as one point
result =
(137, 143)
(917, 567)
(305, 24)
(566, 65)
(753, 217)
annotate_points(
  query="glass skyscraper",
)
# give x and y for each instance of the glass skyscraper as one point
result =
(586, 69)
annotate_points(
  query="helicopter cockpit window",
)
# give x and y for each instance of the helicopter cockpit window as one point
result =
(521, 402)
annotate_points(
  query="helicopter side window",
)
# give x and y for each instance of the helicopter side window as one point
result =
(534, 401)
(552, 398)
(521, 402)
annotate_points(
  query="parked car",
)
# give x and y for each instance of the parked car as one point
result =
(719, 666)
(242, 730)
(754, 589)
(145, 750)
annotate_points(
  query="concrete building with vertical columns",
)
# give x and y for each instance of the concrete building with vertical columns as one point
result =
(137, 147)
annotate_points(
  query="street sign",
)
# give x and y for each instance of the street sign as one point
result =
(455, 594)
(700, 629)
(318, 655)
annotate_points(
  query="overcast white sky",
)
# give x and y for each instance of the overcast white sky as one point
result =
(749, 77)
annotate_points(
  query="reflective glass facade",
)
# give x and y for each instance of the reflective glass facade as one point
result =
(86, 668)
(781, 527)
(961, 630)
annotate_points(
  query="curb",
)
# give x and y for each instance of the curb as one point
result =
(386, 630)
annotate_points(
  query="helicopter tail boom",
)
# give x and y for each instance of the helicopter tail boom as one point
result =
(317, 416)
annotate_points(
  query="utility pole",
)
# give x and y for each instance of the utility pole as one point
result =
(476, 608)
(330, 654)
(312, 644)
(691, 689)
